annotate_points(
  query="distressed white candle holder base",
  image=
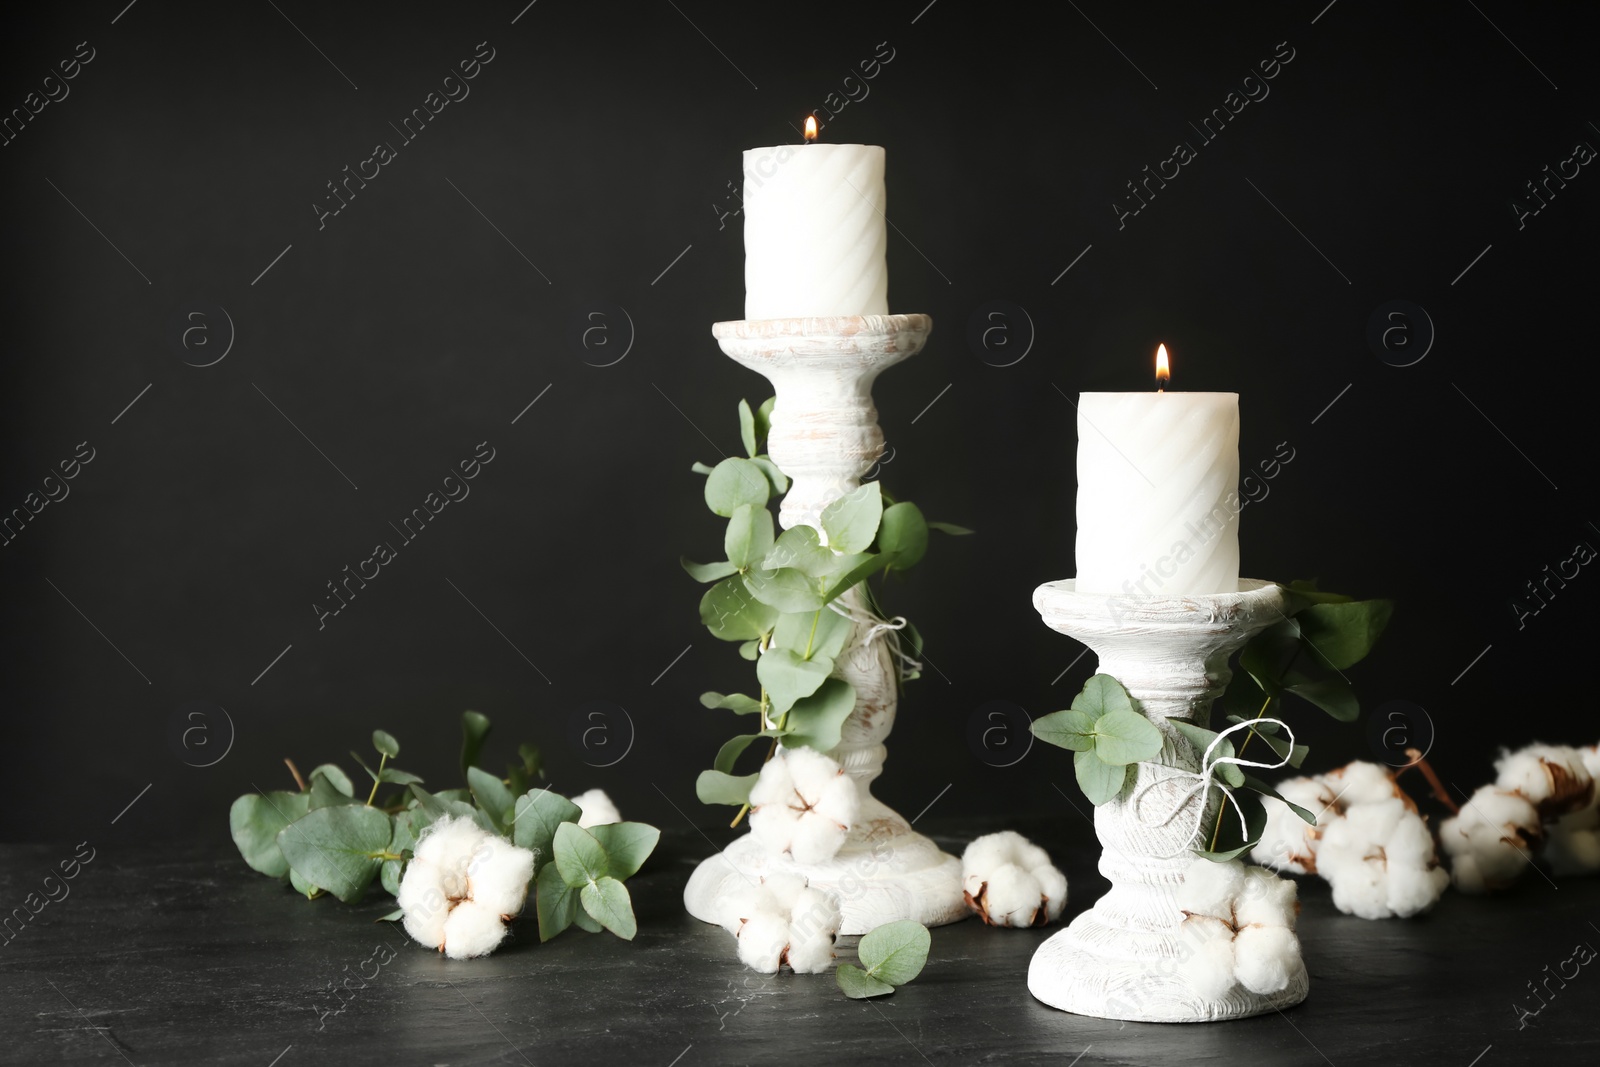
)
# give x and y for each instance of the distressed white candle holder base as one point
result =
(1121, 959)
(824, 436)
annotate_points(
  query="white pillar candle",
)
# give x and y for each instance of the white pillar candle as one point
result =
(814, 239)
(1158, 500)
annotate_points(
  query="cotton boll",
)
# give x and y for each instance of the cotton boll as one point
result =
(1361, 783)
(1011, 896)
(499, 875)
(1209, 888)
(742, 903)
(1380, 862)
(991, 850)
(803, 804)
(1053, 886)
(450, 844)
(1489, 841)
(1264, 899)
(596, 809)
(424, 902)
(1264, 958)
(762, 940)
(1412, 890)
(1289, 843)
(1208, 968)
(813, 923)
(1554, 777)
(472, 929)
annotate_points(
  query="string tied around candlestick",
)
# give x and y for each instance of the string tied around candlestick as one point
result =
(879, 628)
(1202, 780)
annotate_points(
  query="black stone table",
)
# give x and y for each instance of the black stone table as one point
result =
(180, 954)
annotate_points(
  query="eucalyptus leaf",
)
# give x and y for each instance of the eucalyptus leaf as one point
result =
(856, 569)
(1102, 694)
(764, 422)
(493, 796)
(582, 919)
(330, 787)
(436, 806)
(255, 820)
(1332, 694)
(799, 548)
(735, 482)
(895, 952)
(858, 984)
(1341, 634)
(579, 855)
(904, 532)
(337, 848)
(304, 887)
(788, 678)
(1252, 782)
(1070, 729)
(747, 428)
(1123, 737)
(732, 614)
(395, 776)
(385, 743)
(538, 815)
(749, 650)
(851, 522)
(607, 902)
(708, 572)
(949, 528)
(627, 845)
(715, 787)
(815, 633)
(737, 703)
(784, 589)
(817, 720)
(556, 902)
(780, 483)
(474, 728)
(699, 468)
(731, 750)
(749, 536)
(1230, 845)
(1099, 780)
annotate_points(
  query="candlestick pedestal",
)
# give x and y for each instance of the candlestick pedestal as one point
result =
(824, 435)
(1122, 958)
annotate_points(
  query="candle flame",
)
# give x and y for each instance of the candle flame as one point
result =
(1163, 368)
(811, 128)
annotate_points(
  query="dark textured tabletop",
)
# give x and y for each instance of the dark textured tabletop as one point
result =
(178, 953)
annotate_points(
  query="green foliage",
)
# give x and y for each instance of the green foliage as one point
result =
(1106, 733)
(325, 839)
(772, 595)
(891, 955)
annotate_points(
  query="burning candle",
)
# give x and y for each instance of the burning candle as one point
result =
(814, 233)
(1158, 500)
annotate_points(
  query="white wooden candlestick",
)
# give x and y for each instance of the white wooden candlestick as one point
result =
(824, 436)
(1121, 958)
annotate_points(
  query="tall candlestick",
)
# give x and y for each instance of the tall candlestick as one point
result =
(1158, 499)
(814, 235)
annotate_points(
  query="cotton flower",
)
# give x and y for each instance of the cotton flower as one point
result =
(782, 920)
(1010, 881)
(1380, 861)
(462, 886)
(1553, 778)
(1491, 842)
(1369, 842)
(1239, 924)
(803, 804)
(1573, 845)
(597, 809)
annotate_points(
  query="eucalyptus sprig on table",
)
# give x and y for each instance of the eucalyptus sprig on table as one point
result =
(773, 594)
(1303, 655)
(326, 840)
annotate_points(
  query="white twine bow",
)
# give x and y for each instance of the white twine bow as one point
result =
(879, 628)
(1202, 781)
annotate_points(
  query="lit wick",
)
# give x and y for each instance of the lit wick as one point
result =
(1163, 369)
(811, 129)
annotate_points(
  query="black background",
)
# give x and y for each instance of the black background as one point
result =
(601, 141)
